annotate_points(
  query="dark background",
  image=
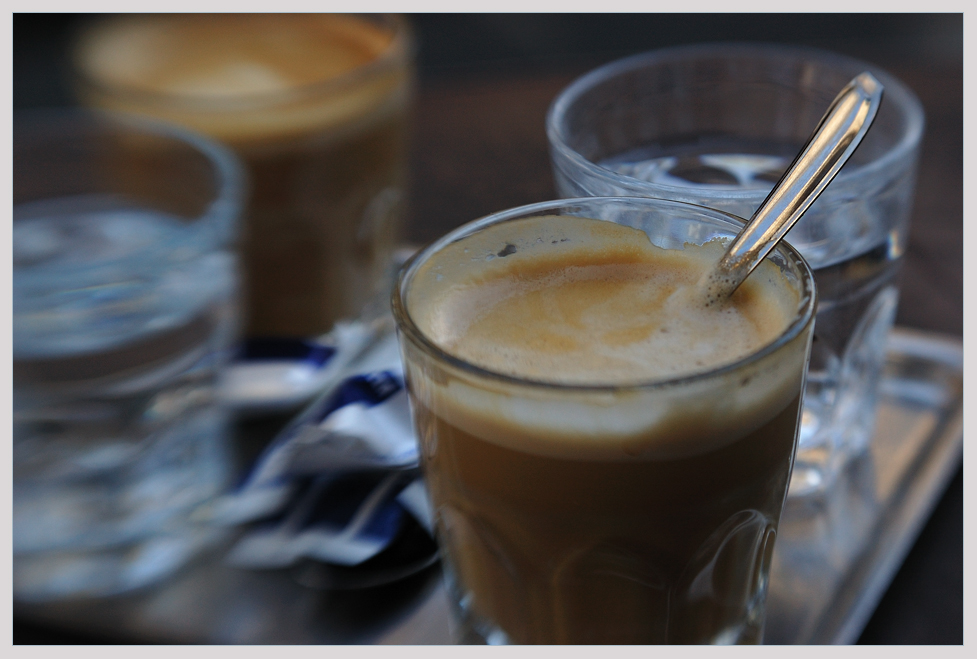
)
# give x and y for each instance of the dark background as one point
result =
(465, 44)
(485, 82)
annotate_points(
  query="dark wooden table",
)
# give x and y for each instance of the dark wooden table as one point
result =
(479, 146)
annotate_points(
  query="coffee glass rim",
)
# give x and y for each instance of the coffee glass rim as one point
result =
(398, 52)
(895, 92)
(215, 225)
(807, 303)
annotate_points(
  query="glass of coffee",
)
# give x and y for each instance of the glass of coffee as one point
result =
(315, 105)
(607, 457)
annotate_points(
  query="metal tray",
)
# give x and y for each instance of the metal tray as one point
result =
(834, 558)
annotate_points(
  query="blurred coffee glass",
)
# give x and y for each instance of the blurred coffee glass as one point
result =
(125, 307)
(316, 106)
(716, 125)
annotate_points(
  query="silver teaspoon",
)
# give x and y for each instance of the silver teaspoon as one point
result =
(840, 130)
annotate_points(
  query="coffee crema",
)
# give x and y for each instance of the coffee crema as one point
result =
(592, 303)
(237, 66)
(581, 302)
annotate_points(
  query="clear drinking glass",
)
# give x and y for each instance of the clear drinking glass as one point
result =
(124, 309)
(316, 107)
(716, 125)
(663, 545)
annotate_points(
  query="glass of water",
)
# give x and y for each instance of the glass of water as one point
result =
(716, 125)
(124, 309)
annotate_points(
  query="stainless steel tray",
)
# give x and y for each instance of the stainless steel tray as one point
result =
(836, 556)
(833, 561)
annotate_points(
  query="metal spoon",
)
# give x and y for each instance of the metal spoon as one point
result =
(834, 140)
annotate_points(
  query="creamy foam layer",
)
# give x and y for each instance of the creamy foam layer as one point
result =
(575, 301)
(195, 59)
(614, 310)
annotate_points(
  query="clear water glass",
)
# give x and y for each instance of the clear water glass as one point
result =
(716, 125)
(125, 307)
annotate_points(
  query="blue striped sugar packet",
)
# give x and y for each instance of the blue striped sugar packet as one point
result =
(363, 424)
(342, 519)
(274, 374)
(336, 483)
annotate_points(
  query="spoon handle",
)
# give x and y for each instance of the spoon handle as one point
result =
(834, 140)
